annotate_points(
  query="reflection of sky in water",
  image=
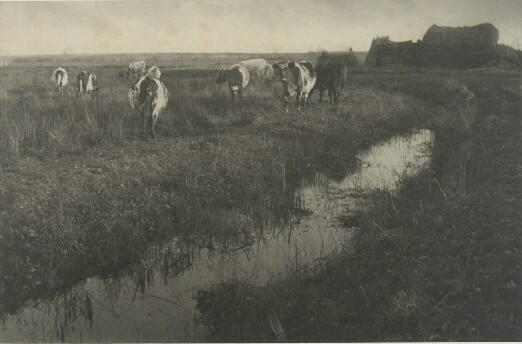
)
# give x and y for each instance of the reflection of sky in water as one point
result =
(166, 309)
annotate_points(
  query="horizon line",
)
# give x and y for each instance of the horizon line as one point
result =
(182, 52)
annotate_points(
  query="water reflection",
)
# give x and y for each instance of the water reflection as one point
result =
(154, 300)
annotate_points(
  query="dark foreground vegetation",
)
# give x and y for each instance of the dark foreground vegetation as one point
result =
(440, 260)
(82, 195)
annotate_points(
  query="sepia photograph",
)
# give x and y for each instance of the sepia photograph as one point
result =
(260, 171)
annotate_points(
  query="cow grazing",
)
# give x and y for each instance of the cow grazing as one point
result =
(61, 79)
(298, 79)
(154, 72)
(136, 69)
(259, 69)
(237, 78)
(87, 83)
(149, 97)
(330, 76)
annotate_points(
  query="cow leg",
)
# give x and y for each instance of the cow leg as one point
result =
(144, 125)
(232, 93)
(153, 125)
(321, 95)
(298, 98)
(303, 100)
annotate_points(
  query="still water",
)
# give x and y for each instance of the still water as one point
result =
(155, 300)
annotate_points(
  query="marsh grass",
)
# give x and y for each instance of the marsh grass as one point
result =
(89, 196)
(436, 260)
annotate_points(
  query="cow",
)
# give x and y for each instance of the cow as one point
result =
(330, 76)
(298, 79)
(61, 79)
(136, 69)
(87, 83)
(237, 77)
(259, 69)
(154, 72)
(149, 97)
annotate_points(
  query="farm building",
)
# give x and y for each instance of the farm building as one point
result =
(385, 52)
(458, 47)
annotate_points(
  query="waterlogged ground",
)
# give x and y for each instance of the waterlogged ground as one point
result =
(155, 300)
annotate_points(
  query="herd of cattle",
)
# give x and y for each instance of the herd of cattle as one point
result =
(149, 96)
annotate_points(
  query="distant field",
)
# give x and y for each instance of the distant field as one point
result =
(165, 60)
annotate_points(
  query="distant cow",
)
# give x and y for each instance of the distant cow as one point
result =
(87, 83)
(136, 69)
(330, 76)
(237, 77)
(154, 72)
(61, 79)
(259, 69)
(298, 79)
(149, 97)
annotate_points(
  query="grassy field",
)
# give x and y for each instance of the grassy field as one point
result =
(82, 195)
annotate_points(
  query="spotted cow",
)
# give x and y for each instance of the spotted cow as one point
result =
(237, 77)
(87, 83)
(149, 97)
(298, 79)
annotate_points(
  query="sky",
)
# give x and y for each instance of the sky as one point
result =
(255, 26)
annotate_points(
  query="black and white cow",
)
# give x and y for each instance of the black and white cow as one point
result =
(237, 77)
(149, 97)
(61, 79)
(298, 79)
(87, 83)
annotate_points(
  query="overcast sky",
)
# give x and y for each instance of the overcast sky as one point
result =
(237, 26)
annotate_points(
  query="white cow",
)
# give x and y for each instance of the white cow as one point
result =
(136, 69)
(259, 68)
(61, 79)
(87, 83)
(149, 97)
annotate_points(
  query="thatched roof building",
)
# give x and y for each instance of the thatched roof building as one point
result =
(451, 47)
(384, 51)
(478, 37)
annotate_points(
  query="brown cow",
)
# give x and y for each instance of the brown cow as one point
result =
(330, 76)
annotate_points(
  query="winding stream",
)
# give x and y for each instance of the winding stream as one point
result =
(154, 301)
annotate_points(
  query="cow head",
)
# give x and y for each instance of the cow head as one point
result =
(281, 70)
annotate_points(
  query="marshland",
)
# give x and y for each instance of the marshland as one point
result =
(392, 215)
